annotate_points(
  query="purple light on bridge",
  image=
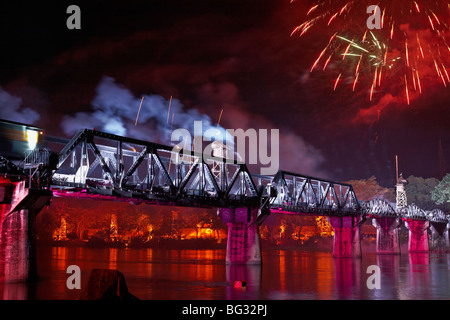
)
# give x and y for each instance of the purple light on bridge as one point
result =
(418, 235)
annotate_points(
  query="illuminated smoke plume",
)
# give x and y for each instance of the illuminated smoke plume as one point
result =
(10, 109)
(115, 109)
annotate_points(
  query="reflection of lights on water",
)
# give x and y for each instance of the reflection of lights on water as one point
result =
(325, 228)
(32, 138)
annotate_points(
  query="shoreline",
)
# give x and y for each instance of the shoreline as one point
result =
(315, 245)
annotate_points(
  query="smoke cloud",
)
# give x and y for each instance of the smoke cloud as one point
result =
(10, 109)
(115, 110)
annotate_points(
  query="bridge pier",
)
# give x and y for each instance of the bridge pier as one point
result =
(243, 243)
(346, 240)
(18, 212)
(418, 235)
(440, 236)
(387, 235)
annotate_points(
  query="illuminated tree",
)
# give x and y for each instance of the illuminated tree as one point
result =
(324, 227)
(367, 189)
(441, 193)
(83, 215)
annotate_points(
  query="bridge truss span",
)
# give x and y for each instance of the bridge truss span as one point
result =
(413, 212)
(95, 163)
(437, 215)
(107, 164)
(101, 165)
(379, 208)
(303, 194)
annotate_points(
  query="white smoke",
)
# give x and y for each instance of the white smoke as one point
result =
(115, 109)
(10, 109)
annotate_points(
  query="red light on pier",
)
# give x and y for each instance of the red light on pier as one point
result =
(240, 284)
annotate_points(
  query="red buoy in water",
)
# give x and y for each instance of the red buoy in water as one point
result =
(240, 284)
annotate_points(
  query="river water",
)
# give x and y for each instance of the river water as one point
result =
(202, 274)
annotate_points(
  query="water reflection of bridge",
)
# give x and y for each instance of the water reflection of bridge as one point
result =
(98, 165)
(171, 274)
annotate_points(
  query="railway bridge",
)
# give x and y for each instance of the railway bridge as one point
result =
(108, 167)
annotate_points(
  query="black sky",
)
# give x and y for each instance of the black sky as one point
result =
(236, 55)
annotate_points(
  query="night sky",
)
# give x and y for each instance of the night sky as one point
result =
(238, 56)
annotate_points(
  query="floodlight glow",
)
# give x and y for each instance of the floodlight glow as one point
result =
(32, 138)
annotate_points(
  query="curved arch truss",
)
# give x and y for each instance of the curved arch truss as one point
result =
(379, 207)
(437, 215)
(413, 212)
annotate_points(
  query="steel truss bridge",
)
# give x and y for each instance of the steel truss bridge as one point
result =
(99, 165)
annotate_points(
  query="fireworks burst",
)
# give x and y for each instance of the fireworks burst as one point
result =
(410, 46)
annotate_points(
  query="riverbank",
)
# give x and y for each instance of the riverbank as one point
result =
(314, 244)
(159, 243)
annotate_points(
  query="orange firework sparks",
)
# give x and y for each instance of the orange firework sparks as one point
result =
(406, 89)
(418, 81)
(346, 51)
(220, 116)
(312, 9)
(438, 70)
(407, 55)
(431, 22)
(318, 59)
(332, 18)
(379, 77)
(356, 80)
(357, 66)
(337, 81)
(446, 73)
(418, 44)
(326, 62)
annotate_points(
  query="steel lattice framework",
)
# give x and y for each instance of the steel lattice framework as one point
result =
(96, 164)
(383, 208)
(379, 208)
(302, 194)
(437, 215)
(105, 164)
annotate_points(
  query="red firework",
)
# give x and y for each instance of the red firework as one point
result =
(410, 47)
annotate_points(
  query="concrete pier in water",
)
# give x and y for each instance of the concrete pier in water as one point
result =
(346, 240)
(387, 235)
(418, 236)
(440, 240)
(18, 209)
(243, 243)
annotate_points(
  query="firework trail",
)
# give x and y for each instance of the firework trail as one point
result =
(410, 47)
